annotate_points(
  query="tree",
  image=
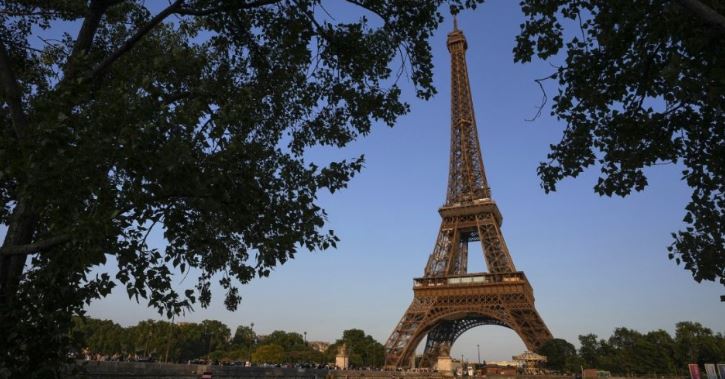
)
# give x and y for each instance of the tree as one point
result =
(193, 118)
(268, 354)
(184, 341)
(624, 342)
(151, 339)
(363, 350)
(99, 336)
(697, 344)
(642, 84)
(561, 356)
(294, 347)
(190, 342)
(216, 334)
(244, 337)
(287, 340)
(306, 354)
(629, 352)
(657, 352)
(236, 354)
(589, 350)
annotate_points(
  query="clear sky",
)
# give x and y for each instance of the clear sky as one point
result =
(595, 263)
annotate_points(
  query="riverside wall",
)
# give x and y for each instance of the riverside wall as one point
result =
(145, 370)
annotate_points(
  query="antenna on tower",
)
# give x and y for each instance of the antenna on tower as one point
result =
(454, 12)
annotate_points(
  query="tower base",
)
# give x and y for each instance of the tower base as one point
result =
(444, 308)
(444, 365)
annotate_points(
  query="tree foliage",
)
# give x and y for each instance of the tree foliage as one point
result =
(244, 336)
(696, 343)
(630, 352)
(158, 340)
(561, 356)
(294, 348)
(192, 119)
(287, 340)
(363, 350)
(270, 353)
(642, 84)
(626, 352)
(589, 350)
(101, 336)
(209, 340)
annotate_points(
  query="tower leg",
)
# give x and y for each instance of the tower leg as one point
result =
(446, 318)
(402, 337)
(530, 327)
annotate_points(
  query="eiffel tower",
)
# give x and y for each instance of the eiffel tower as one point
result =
(448, 300)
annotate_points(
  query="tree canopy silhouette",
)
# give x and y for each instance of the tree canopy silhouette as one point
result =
(193, 118)
(642, 84)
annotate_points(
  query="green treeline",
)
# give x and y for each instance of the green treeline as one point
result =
(212, 340)
(625, 352)
(629, 352)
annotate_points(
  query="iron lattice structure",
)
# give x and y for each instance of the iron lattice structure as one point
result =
(448, 300)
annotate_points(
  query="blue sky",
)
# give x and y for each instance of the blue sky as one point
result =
(595, 263)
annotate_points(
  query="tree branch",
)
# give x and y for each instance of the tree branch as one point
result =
(369, 8)
(35, 247)
(544, 97)
(146, 236)
(89, 28)
(13, 94)
(129, 44)
(704, 12)
(206, 12)
(84, 40)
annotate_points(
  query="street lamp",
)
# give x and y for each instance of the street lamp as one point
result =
(208, 334)
(149, 334)
(254, 336)
(251, 343)
(478, 347)
(168, 343)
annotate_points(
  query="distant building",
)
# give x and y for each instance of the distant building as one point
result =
(319, 345)
(500, 370)
(530, 363)
(503, 363)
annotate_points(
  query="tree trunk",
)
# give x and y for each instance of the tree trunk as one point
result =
(705, 13)
(20, 232)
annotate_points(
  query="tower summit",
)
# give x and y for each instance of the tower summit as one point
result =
(466, 175)
(448, 300)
